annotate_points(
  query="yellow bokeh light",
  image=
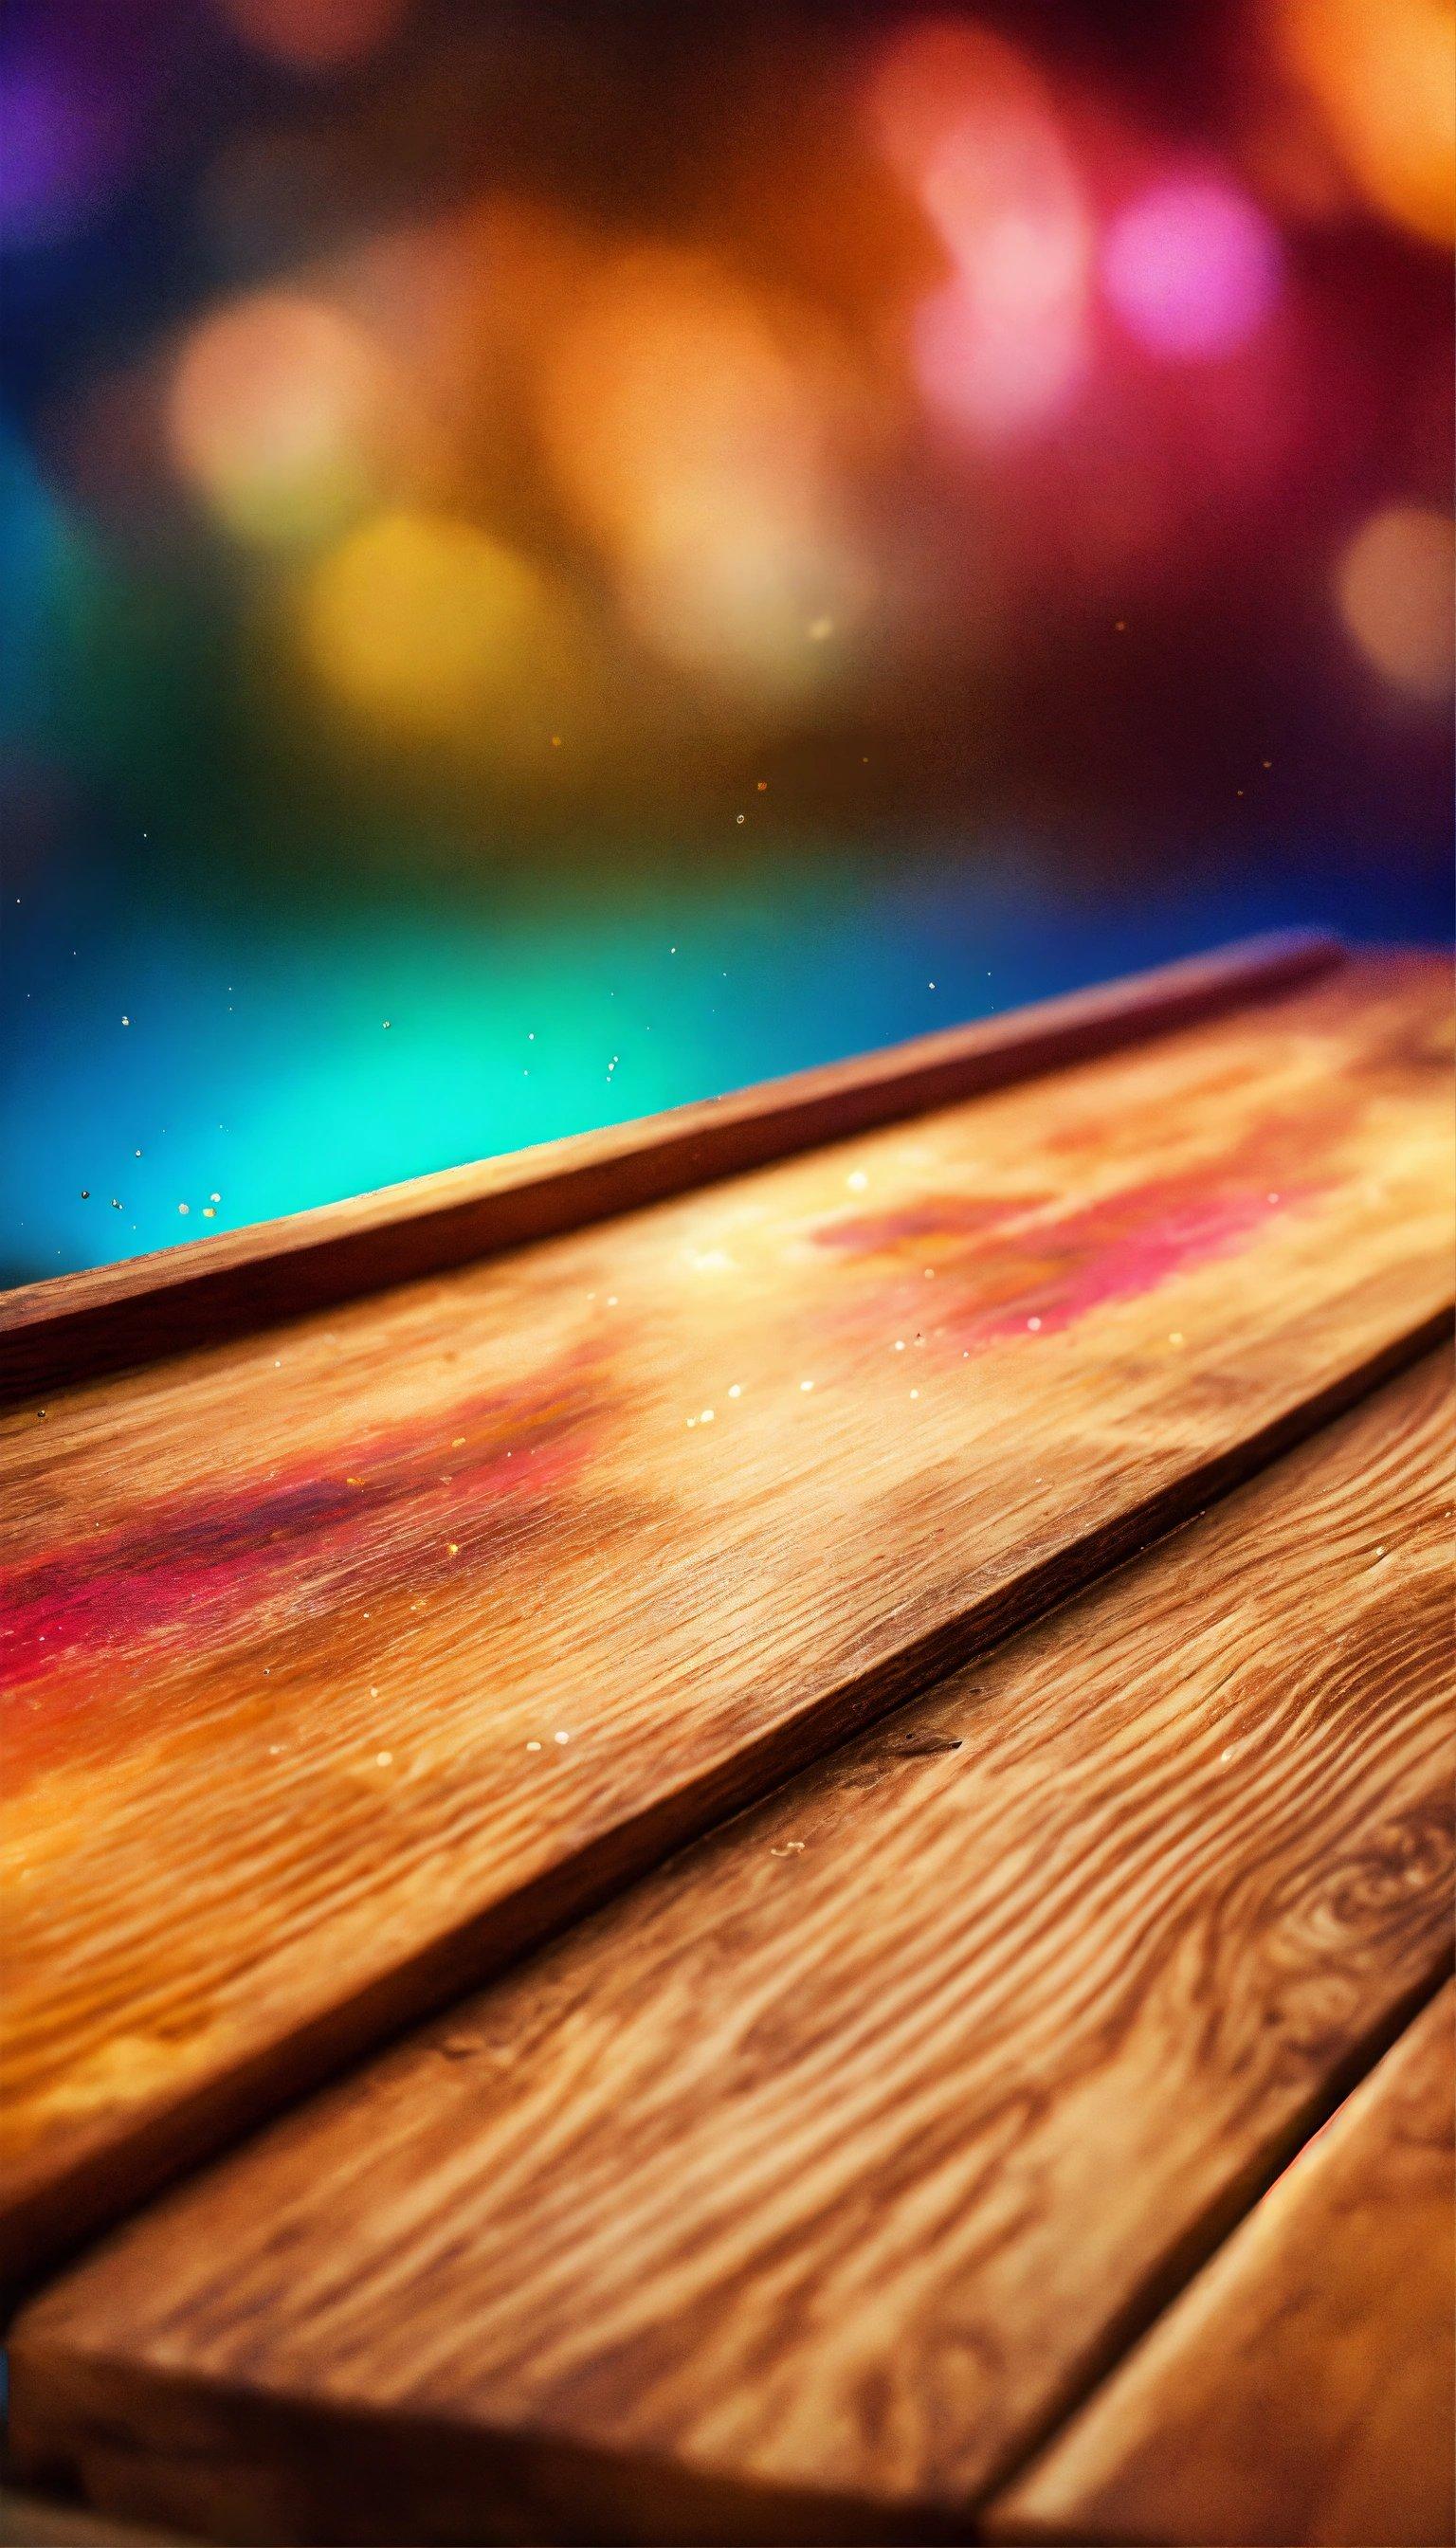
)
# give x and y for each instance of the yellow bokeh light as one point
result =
(1397, 591)
(279, 410)
(431, 626)
(1383, 75)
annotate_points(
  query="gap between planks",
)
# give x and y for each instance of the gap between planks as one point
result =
(78, 1326)
(1010, 2508)
(1300, 2388)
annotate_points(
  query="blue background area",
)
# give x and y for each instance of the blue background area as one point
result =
(257, 1064)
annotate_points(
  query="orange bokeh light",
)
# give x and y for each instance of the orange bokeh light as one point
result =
(1396, 590)
(457, 304)
(280, 413)
(692, 443)
(1383, 75)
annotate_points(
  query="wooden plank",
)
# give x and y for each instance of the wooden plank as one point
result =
(346, 1660)
(1303, 2389)
(797, 2193)
(76, 1325)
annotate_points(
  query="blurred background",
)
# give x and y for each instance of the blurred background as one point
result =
(561, 559)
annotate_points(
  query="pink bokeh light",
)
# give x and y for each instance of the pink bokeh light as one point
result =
(1191, 268)
(971, 126)
(996, 369)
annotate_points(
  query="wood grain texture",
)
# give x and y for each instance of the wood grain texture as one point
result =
(799, 2192)
(76, 1325)
(292, 1626)
(1303, 2389)
(342, 1662)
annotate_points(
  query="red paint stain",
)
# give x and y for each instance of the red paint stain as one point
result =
(179, 1575)
(1003, 1262)
(1116, 1250)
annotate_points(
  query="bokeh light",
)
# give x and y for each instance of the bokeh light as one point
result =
(468, 308)
(1383, 75)
(693, 439)
(971, 128)
(316, 35)
(281, 415)
(1396, 591)
(441, 632)
(988, 370)
(1191, 267)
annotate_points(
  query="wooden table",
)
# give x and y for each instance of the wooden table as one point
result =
(742, 1830)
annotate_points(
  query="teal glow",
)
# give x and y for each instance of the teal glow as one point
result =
(297, 1059)
(174, 1053)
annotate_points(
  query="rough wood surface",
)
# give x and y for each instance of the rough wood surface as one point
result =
(802, 2190)
(1303, 2389)
(55, 1332)
(342, 1661)
(291, 1627)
